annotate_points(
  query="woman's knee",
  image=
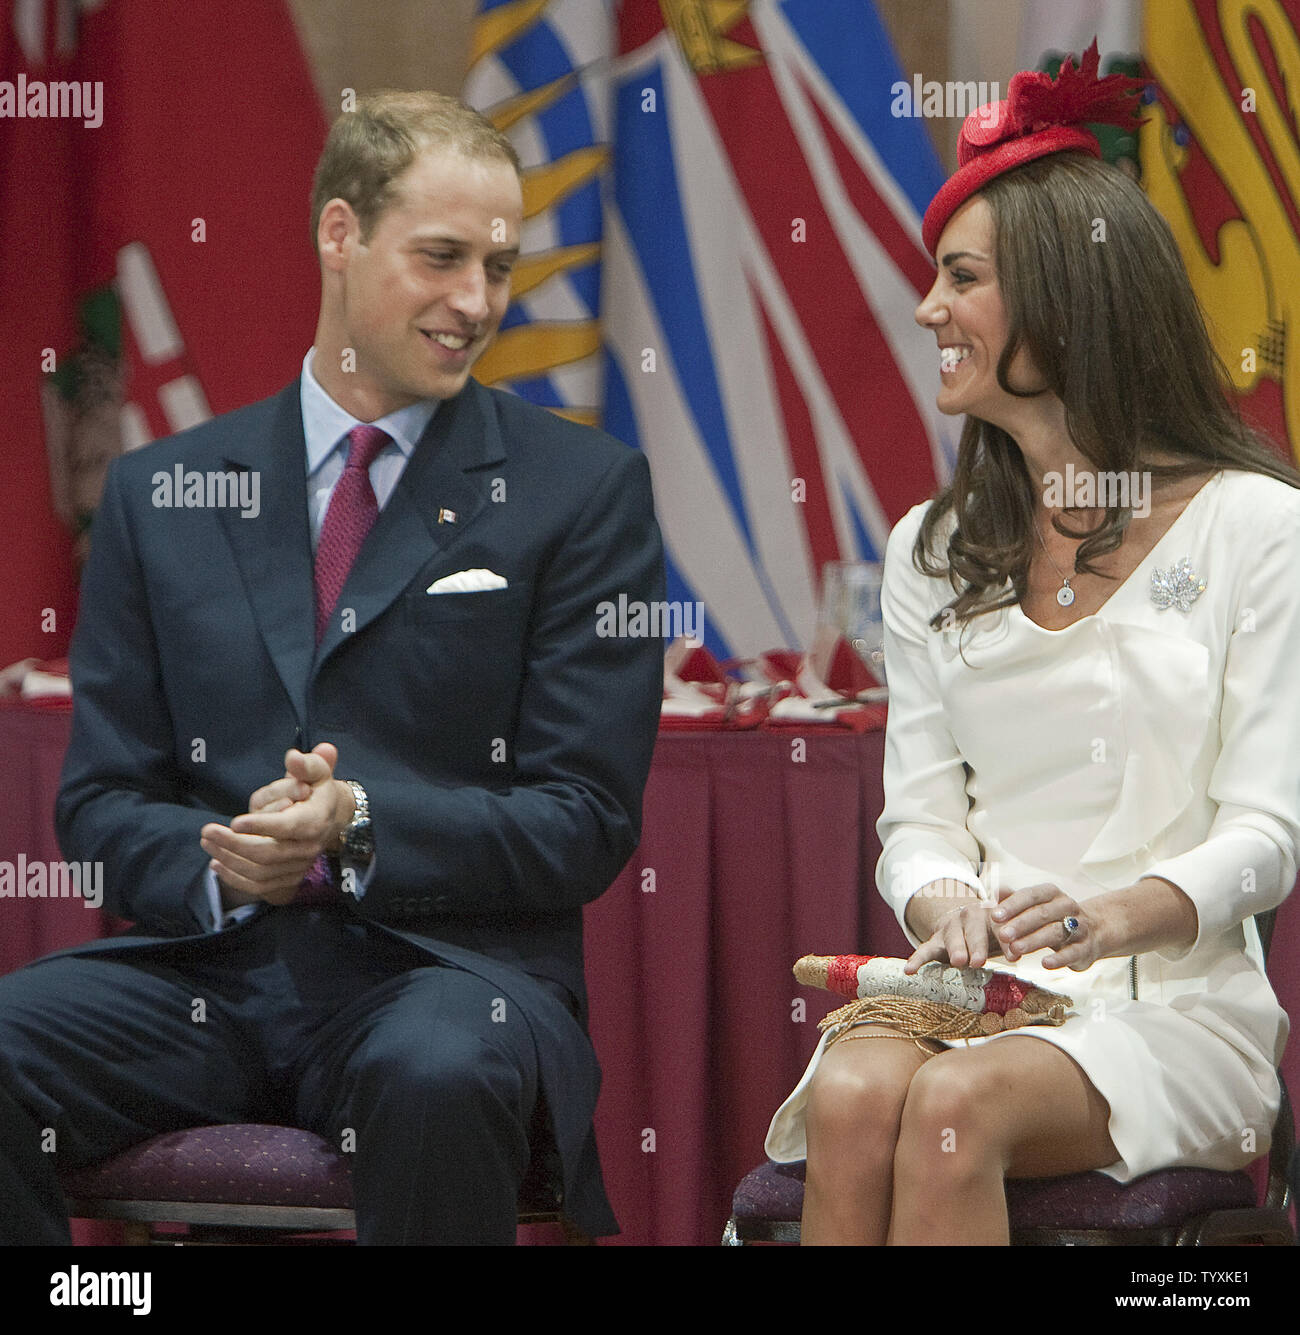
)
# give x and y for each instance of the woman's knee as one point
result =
(950, 1124)
(857, 1097)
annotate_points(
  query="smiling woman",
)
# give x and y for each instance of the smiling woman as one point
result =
(966, 310)
(1084, 387)
(1090, 762)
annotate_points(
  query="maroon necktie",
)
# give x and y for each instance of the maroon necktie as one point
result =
(350, 517)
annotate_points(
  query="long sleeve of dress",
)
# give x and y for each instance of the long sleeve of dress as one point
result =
(923, 825)
(1247, 863)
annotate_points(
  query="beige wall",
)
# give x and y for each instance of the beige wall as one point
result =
(372, 44)
(919, 29)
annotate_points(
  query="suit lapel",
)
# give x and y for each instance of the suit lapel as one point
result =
(447, 471)
(273, 551)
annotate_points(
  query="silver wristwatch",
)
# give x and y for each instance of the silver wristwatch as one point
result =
(357, 839)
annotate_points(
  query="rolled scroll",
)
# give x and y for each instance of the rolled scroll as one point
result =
(937, 1001)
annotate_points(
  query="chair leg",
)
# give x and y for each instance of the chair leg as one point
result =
(1238, 1228)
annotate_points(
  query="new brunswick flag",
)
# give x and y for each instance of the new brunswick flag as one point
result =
(1221, 161)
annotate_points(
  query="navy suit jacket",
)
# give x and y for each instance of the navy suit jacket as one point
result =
(504, 743)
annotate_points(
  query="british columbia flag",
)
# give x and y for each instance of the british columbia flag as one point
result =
(722, 261)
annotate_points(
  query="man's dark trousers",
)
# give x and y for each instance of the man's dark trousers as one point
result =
(304, 1017)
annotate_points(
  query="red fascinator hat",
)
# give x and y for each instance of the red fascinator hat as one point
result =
(1039, 116)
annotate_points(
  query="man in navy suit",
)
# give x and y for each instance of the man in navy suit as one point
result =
(355, 824)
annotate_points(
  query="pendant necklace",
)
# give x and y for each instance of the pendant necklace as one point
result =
(1065, 594)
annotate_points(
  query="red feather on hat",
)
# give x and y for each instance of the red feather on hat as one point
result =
(1075, 97)
(1039, 116)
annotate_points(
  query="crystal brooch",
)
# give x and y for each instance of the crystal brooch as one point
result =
(1176, 587)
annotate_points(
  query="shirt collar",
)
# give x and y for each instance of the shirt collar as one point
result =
(325, 423)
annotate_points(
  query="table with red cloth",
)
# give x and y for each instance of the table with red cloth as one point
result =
(758, 846)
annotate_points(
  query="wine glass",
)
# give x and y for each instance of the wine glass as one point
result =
(850, 608)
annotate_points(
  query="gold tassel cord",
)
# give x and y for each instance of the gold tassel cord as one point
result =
(933, 1020)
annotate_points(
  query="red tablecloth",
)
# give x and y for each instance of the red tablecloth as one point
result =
(757, 857)
(32, 742)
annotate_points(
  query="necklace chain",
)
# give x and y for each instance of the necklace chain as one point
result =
(1065, 594)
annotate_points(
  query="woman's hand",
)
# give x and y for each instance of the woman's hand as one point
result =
(1023, 922)
(963, 936)
(1034, 919)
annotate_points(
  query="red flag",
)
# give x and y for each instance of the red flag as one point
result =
(158, 265)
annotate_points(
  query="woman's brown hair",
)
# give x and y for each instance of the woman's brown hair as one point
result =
(1096, 291)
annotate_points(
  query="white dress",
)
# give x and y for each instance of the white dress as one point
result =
(1135, 742)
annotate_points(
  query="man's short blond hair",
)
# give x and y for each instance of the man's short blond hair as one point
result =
(369, 148)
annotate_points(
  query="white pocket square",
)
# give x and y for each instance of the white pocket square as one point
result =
(467, 581)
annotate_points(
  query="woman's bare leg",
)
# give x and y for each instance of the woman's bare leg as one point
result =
(1019, 1107)
(853, 1113)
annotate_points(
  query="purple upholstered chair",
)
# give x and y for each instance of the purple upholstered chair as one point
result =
(247, 1181)
(245, 1184)
(1174, 1207)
